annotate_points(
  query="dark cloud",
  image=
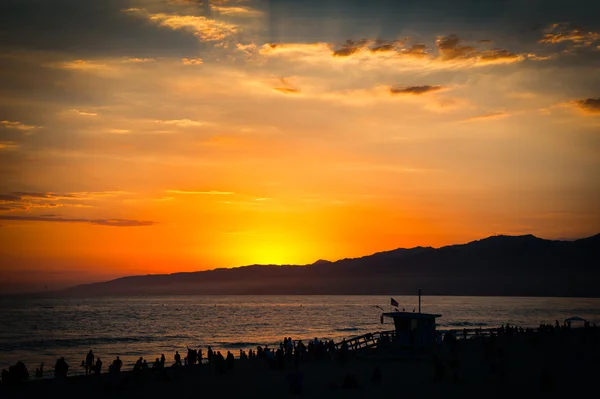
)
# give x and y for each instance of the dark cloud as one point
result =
(99, 222)
(375, 46)
(589, 105)
(450, 48)
(418, 90)
(43, 195)
(287, 90)
(349, 48)
(568, 32)
(9, 198)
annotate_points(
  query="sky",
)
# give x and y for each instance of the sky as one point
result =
(158, 136)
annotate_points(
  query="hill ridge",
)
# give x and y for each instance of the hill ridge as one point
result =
(495, 265)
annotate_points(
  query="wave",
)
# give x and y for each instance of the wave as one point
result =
(465, 324)
(347, 329)
(238, 344)
(83, 342)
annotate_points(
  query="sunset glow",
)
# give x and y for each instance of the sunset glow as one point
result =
(155, 136)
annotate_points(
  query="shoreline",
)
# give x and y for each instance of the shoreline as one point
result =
(532, 363)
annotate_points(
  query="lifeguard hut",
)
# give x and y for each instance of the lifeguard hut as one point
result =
(414, 330)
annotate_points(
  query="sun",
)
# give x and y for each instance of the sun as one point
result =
(273, 249)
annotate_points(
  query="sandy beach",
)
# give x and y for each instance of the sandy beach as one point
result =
(522, 365)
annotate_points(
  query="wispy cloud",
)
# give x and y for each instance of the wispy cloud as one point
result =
(417, 90)
(17, 125)
(8, 145)
(451, 49)
(136, 60)
(287, 90)
(82, 65)
(192, 61)
(451, 52)
(99, 222)
(182, 122)
(488, 116)
(212, 192)
(237, 11)
(26, 201)
(205, 29)
(82, 113)
(567, 32)
(83, 195)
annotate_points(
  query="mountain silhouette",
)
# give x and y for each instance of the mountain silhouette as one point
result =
(498, 265)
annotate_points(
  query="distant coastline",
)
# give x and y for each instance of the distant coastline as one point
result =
(505, 266)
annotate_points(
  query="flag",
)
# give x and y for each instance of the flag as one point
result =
(393, 302)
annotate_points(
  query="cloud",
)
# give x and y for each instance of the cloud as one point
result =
(491, 115)
(451, 53)
(205, 29)
(416, 50)
(82, 65)
(200, 192)
(349, 48)
(383, 46)
(25, 200)
(451, 49)
(286, 87)
(83, 195)
(417, 90)
(182, 123)
(237, 11)
(137, 60)
(17, 125)
(8, 197)
(287, 90)
(99, 222)
(45, 196)
(82, 113)
(567, 32)
(8, 145)
(192, 61)
(589, 105)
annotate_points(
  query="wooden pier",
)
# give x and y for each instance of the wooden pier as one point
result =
(371, 340)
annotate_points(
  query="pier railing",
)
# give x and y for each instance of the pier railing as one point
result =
(370, 340)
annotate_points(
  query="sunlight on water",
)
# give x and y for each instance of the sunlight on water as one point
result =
(40, 330)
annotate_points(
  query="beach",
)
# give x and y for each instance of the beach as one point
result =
(524, 364)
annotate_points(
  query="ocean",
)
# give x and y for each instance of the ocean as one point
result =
(41, 330)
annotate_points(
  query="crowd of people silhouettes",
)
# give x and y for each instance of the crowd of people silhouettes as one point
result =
(291, 354)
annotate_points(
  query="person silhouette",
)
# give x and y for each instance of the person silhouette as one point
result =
(98, 366)
(89, 362)
(117, 364)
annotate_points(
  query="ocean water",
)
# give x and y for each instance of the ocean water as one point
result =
(41, 330)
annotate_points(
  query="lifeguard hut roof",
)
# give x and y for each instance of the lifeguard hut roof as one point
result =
(411, 315)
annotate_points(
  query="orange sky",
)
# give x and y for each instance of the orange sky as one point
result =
(161, 136)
